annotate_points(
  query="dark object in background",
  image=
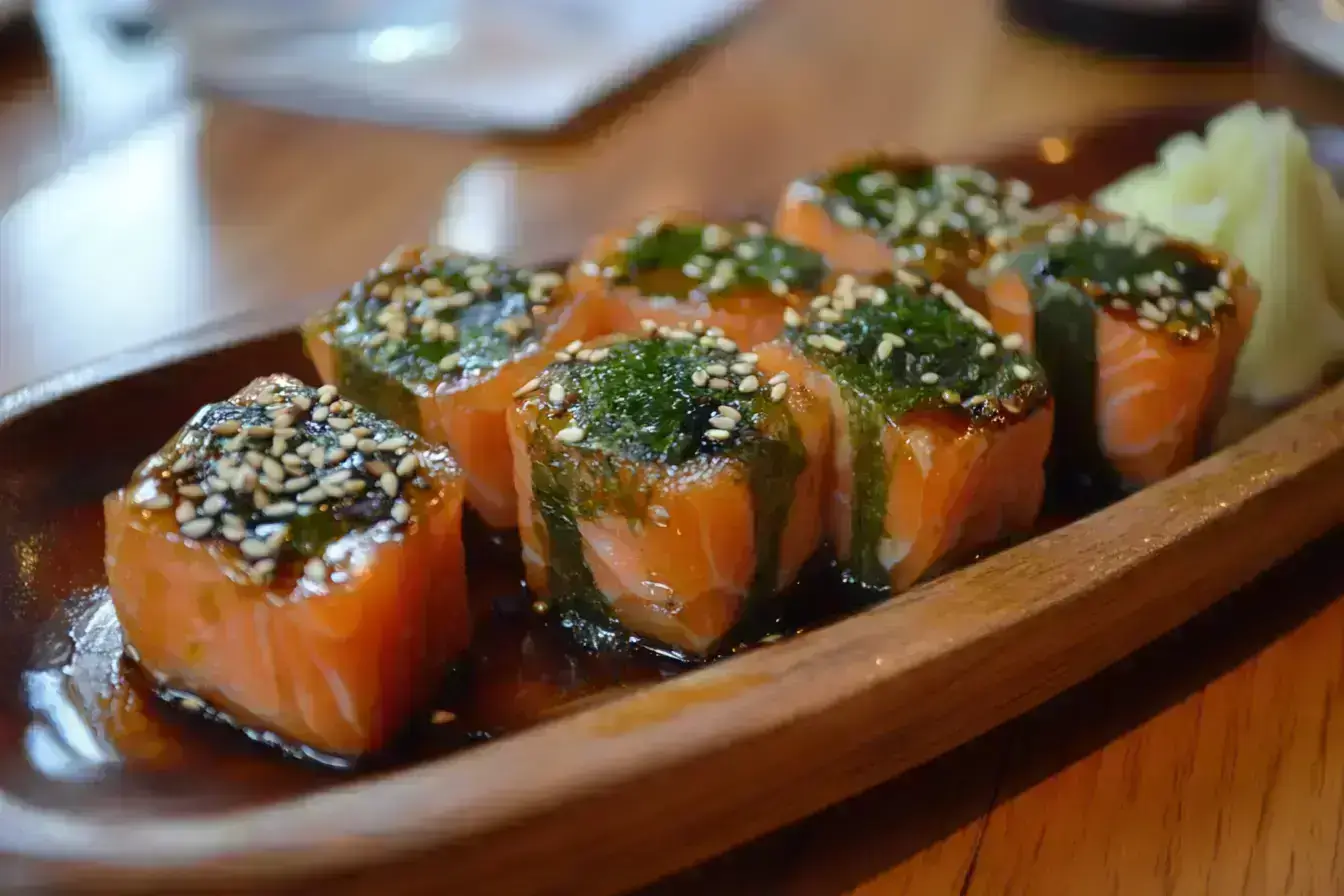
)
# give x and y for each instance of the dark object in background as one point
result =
(1177, 30)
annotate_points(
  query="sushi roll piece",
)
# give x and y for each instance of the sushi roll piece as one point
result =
(941, 428)
(676, 270)
(1138, 332)
(882, 210)
(668, 485)
(438, 341)
(295, 562)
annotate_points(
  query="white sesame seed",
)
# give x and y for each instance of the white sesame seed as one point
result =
(281, 508)
(700, 377)
(298, 484)
(355, 486)
(571, 434)
(254, 548)
(320, 414)
(272, 468)
(451, 361)
(347, 441)
(213, 505)
(389, 483)
(815, 340)
(183, 463)
(716, 369)
(191, 491)
(337, 476)
(727, 345)
(909, 278)
(792, 318)
(648, 326)
(315, 570)
(556, 393)
(334, 456)
(340, 423)
(820, 301)
(722, 422)
(396, 443)
(884, 349)
(748, 357)
(749, 384)
(778, 391)
(408, 464)
(198, 527)
(226, 428)
(1225, 279)
(312, 495)
(720, 383)
(185, 512)
(717, 435)
(1152, 312)
(327, 393)
(987, 350)
(833, 343)
(1013, 341)
(1146, 324)
(366, 446)
(930, 378)
(260, 432)
(730, 412)
(679, 335)
(1021, 371)
(781, 377)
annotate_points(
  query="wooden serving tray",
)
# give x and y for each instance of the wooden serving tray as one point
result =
(616, 792)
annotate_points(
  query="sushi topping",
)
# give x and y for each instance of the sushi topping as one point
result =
(1135, 271)
(912, 203)
(283, 474)
(913, 344)
(435, 315)
(681, 259)
(668, 396)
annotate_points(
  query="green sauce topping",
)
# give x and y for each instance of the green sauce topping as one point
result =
(622, 417)
(442, 317)
(282, 471)
(711, 260)
(1127, 267)
(910, 203)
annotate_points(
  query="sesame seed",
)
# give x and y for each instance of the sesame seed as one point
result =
(975, 400)
(355, 486)
(727, 345)
(556, 393)
(198, 527)
(648, 326)
(716, 369)
(781, 377)
(213, 505)
(720, 383)
(749, 384)
(930, 378)
(340, 423)
(1021, 371)
(226, 428)
(312, 495)
(1013, 341)
(408, 464)
(820, 301)
(700, 377)
(987, 350)
(779, 287)
(191, 491)
(298, 484)
(1152, 312)
(598, 354)
(951, 397)
(778, 391)
(327, 393)
(183, 463)
(909, 278)
(884, 349)
(272, 468)
(1225, 279)
(833, 343)
(730, 412)
(748, 357)
(792, 318)
(337, 476)
(347, 441)
(829, 315)
(334, 456)
(722, 422)
(281, 508)
(571, 434)
(320, 414)
(717, 435)
(367, 446)
(254, 548)
(451, 361)
(1146, 324)
(679, 335)
(259, 432)
(315, 570)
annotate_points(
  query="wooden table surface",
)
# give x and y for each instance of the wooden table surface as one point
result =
(1212, 762)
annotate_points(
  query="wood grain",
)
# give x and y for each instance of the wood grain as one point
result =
(251, 209)
(626, 791)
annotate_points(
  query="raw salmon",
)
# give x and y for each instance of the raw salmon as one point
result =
(668, 485)
(868, 214)
(438, 341)
(1138, 333)
(296, 562)
(678, 269)
(940, 429)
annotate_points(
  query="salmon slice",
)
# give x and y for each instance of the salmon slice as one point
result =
(296, 586)
(868, 214)
(667, 485)
(1139, 331)
(439, 341)
(940, 430)
(678, 269)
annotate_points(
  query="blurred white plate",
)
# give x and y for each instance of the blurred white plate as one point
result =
(475, 64)
(1315, 28)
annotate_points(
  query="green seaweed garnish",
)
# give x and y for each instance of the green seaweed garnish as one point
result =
(682, 260)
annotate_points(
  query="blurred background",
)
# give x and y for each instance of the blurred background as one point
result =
(165, 166)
